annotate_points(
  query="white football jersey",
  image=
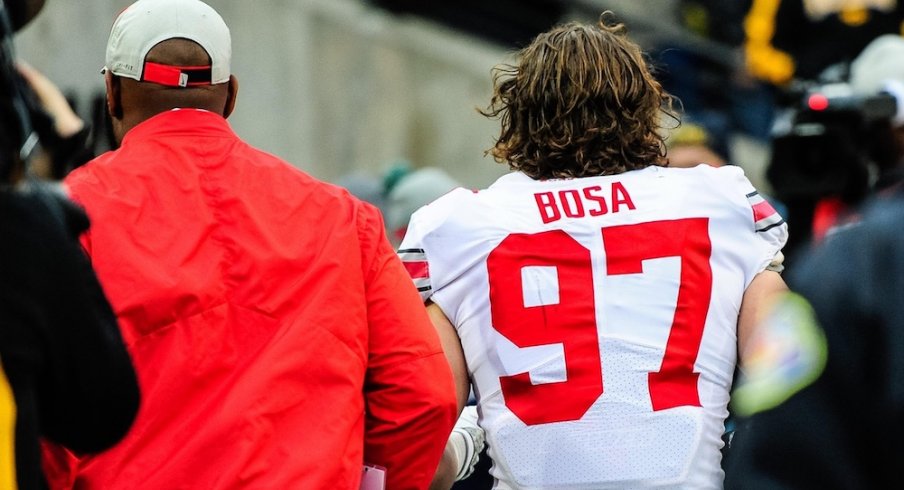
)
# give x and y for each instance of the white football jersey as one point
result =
(598, 317)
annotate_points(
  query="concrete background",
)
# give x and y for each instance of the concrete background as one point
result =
(333, 86)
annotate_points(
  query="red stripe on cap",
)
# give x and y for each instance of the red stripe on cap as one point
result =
(162, 74)
(169, 75)
(417, 270)
(762, 210)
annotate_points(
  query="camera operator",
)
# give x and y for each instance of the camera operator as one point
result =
(65, 374)
(826, 392)
(821, 401)
(840, 141)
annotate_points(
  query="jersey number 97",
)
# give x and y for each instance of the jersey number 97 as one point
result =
(572, 321)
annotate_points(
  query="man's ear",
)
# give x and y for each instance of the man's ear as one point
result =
(232, 91)
(114, 95)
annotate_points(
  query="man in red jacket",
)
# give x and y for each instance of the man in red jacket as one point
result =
(278, 341)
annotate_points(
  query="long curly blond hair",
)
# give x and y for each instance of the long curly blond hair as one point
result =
(580, 101)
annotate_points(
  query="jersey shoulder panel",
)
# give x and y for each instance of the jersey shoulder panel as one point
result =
(766, 222)
(425, 222)
(438, 211)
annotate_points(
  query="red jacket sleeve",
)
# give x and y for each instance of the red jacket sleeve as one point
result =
(409, 391)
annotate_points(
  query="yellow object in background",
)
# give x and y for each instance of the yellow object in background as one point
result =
(7, 434)
(763, 60)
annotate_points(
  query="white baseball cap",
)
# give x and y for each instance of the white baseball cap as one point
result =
(880, 67)
(146, 23)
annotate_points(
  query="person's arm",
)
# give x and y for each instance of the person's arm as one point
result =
(409, 390)
(755, 305)
(448, 337)
(461, 450)
(65, 121)
(64, 135)
(444, 477)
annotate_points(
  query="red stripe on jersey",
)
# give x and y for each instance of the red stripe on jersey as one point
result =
(417, 270)
(762, 210)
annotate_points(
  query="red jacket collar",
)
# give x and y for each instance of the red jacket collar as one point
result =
(187, 122)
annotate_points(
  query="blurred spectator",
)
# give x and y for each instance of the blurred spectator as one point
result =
(705, 72)
(278, 341)
(408, 190)
(364, 186)
(65, 374)
(800, 39)
(824, 391)
(690, 145)
(715, 19)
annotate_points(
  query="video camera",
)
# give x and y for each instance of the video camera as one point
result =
(23, 122)
(830, 141)
(17, 137)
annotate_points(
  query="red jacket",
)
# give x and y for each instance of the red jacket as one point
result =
(278, 340)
